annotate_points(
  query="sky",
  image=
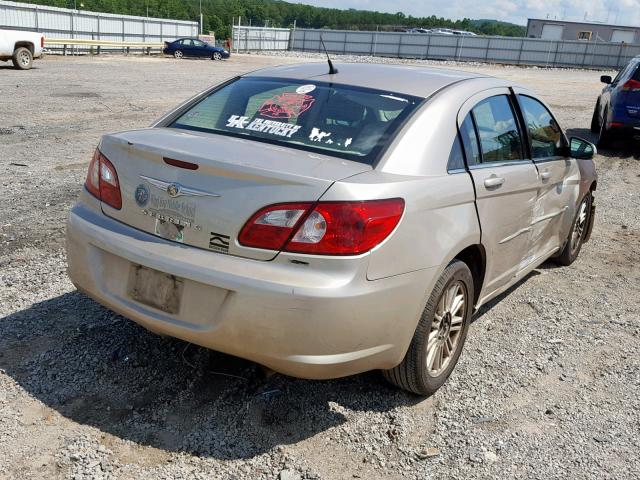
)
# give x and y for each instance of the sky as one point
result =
(622, 12)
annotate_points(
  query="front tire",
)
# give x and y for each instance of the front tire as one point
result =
(442, 330)
(577, 233)
(216, 56)
(178, 54)
(22, 58)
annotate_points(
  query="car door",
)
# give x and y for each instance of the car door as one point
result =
(505, 182)
(559, 176)
(200, 48)
(187, 47)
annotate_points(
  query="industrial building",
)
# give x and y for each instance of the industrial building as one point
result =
(590, 32)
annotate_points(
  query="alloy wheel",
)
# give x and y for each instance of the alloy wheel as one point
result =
(579, 227)
(178, 54)
(217, 56)
(446, 328)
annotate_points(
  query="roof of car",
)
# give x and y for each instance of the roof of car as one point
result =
(407, 79)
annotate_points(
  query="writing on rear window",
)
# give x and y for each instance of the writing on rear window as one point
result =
(271, 127)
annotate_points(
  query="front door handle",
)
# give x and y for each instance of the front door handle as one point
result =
(493, 181)
(546, 175)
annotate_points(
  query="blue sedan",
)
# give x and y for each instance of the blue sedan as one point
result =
(192, 47)
(617, 112)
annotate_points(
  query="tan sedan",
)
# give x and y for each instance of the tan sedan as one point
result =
(324, 224)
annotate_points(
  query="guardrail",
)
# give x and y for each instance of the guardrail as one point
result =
(90, 44)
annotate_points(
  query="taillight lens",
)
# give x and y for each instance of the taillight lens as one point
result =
(42, 41)
(272, 226)
(324, 228)
(631, 86)
(102, 181)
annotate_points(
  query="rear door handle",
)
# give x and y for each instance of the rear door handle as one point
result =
(546, 175)
(493, 181)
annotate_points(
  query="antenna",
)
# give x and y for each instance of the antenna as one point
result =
(332, 70)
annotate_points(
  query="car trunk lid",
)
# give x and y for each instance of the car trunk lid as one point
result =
(199, 188)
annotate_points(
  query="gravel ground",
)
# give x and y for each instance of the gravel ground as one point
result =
(547, 386)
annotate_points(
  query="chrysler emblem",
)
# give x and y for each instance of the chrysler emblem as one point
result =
(173, 190)
(177, 190)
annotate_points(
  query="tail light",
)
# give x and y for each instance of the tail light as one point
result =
(42, 41)
(323, 228)
(631, 86)
(102, 181)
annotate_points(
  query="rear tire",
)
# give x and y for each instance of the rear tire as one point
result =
(577, 233)
(595, 120)
(437, 343)
(178, 54)
(22, 58)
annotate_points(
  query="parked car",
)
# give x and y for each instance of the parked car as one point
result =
(617, 111)
(192, 47)
(20, 47)
(328, 224)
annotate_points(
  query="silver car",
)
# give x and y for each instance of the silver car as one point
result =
(324, 224)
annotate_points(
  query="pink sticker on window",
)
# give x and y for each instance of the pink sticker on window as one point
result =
(286, 106)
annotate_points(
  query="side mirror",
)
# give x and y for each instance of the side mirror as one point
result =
(606, 79)
(581, 149)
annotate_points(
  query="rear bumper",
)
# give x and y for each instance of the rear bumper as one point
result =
(299, 320)
(625, 131)
(623, 123)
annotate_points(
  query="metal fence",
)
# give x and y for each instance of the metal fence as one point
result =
(65, 23)
(260, 38)
(507, 50)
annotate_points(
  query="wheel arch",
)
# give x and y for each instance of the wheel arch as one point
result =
(475, 257)
(27, 45)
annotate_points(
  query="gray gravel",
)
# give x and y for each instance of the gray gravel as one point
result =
(547, 386)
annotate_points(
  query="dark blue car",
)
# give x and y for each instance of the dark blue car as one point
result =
(617, 112)
(192, 47)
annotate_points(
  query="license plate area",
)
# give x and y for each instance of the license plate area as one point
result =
(155, 288)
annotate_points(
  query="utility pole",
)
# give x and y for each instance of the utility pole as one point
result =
(201, 26)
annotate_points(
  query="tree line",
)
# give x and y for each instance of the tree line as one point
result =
(218, 15)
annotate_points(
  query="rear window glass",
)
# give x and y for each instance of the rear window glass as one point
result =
(343, 121)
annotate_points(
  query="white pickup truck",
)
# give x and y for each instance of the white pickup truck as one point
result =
(20, 47)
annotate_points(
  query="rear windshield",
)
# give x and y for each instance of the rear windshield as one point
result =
(343, 121)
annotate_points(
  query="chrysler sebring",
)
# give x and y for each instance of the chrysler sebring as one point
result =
(324, 223)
